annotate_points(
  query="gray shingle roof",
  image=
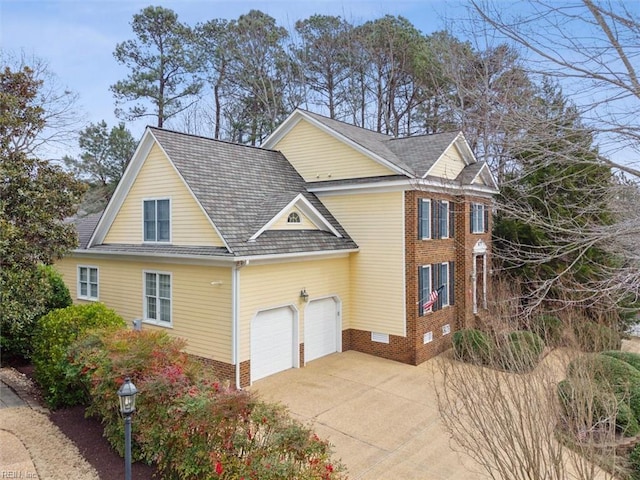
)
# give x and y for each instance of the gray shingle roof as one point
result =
(160, 250)
(241, 188)
(469, 172)
(421, 152)
(413, 155)
(85, 227)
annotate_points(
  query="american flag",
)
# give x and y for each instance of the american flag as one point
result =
(433, 298)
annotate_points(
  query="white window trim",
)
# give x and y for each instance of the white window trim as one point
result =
(297, 218)
(88, 296)
(446, 219)
(445, 283)
(478, 212)
(427, 209)
(145, 317)
(156, 199)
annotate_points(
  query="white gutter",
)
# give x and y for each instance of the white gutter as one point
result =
(208, 259)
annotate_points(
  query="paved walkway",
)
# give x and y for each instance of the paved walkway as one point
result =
(15, 460)
(9, 398)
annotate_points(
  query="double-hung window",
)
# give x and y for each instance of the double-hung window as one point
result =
(443, 218)
(437, 277)
(424, 287)
(435, 219)
(479, 218)
(157, 298)
(157, 223)
(88, 283)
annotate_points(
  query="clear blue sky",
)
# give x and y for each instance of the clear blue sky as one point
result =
(77, 37)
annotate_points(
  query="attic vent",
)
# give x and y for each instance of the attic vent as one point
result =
(293, 218)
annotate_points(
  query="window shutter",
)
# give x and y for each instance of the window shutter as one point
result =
(452, 282)
(452, 220)
(420, 289)
(471, 217)
(435, 216)
(486, 218)
(420, 215)
(435, 283)
(424, 285)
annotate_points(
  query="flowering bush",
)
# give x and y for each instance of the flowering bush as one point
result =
(188, 423)
(105, 359)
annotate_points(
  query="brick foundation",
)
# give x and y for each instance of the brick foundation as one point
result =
(222, 370)
(227, 371)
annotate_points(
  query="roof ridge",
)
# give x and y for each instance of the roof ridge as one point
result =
(456, 132)
(388, 137)
(202, 137)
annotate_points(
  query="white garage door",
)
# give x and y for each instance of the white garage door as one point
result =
(320, 329)
(272, 343)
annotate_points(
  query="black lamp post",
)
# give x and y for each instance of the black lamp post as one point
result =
(127, 393)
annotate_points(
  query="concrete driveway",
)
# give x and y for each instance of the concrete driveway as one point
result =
(381, 416)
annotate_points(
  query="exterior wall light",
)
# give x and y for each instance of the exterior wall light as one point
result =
(304, 295)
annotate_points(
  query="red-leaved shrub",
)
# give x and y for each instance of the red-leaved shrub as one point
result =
(187, 422)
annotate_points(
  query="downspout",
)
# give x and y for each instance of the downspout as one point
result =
(235, 312)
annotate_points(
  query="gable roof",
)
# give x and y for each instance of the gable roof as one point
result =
(412, 156)
(470, 173)
(239, 188)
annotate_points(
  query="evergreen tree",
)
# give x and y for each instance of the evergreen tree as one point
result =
(553, 207)
(35, 199)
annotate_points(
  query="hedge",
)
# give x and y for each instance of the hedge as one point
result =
(610, 374)
(549, 328)
(188, 423)
(595, 338)
(473, 346)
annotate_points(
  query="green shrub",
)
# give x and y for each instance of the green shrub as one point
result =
(611, 375)
(586, 405)
(189, 424)
(59, 295)
(519, 351)
(549, 328)
(634, 462)
(593, 337)
(27, 295)
(631, 358)
(55, 332)
(105, 359)
(242, 437)
(473, 346)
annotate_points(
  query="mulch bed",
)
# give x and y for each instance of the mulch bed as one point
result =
(86, 434)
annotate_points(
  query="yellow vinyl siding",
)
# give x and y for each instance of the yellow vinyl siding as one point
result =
(276, 285)
(375, 222)
(449, 165)
(201, 312)
(158, 179)
(479, 181)
(317, 155)
(282, 224)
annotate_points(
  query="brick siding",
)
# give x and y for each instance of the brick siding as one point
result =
(412, 349)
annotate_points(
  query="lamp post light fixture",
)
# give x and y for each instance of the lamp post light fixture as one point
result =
(127, 394)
